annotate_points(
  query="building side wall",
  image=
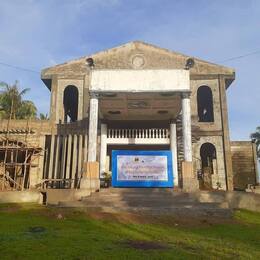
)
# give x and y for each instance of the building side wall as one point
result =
(244, 164)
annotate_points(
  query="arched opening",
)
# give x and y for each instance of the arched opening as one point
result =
(70, 104)
(208, 165)
(205, 104)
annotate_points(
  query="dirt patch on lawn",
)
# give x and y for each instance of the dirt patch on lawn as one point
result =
(165, 220)
(57, 213)
(145, 245)
(11, 207)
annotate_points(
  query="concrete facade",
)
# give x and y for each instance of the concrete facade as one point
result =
(136, 86)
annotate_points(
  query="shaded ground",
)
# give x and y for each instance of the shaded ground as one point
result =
(34, 232)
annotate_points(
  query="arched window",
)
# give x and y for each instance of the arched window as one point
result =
(70, 103)
(205, 104)
(207, 155)
(208, 165)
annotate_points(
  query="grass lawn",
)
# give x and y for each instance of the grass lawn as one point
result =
(35, 232)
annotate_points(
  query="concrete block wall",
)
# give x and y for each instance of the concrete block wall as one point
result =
(245, 165)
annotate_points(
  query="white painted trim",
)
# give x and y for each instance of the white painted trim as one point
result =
(147, 141)
(186, 128)
(173, 138)
(93, 124)
(103, 149)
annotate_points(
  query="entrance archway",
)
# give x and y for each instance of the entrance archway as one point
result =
(208, 161)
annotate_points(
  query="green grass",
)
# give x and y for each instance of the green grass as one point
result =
(81, 236)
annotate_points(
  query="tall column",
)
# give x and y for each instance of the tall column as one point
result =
(74, 158)
(80, 157)
(50, 173)
(57, 155)
(173, 146)
(186, 127)
(63, 158)
(93, 124)
(68, 160)
(103, 149)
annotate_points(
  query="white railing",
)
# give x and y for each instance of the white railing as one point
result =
(138, 133)
(141, 136)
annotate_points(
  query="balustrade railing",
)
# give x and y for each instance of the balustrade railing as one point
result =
(151, 133)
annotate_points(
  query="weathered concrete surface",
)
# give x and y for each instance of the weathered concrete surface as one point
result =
(124, 57)
(54, 196)
(151, 201)
(20, 196)
(190, 182)
(245, 164)
(167, 200)
(234, 199)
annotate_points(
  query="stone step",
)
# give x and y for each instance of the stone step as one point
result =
(184, 211)
(153, 204)
(140, 195)
(139, 190)
(134, 199)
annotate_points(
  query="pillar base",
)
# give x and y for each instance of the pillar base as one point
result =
(92, 185)
(190, 182)
(90, 179)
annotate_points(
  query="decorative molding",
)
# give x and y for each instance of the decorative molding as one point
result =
(138, 61)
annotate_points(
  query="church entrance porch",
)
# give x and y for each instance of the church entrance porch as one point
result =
(132, 142)
(139, 96)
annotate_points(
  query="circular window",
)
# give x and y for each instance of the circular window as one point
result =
(138, 61)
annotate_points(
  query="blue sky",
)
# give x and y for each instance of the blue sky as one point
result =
(39, 34)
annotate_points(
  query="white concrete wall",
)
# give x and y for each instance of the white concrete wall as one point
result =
(140, 80)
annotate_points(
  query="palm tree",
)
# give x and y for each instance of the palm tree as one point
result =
(27, 110)
(256, 138)
(43, 116)
(12, 104)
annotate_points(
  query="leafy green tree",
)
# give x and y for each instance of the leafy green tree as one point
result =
(256, 137)
(12, 104)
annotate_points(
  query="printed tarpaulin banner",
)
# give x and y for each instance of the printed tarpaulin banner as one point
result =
(142, 168)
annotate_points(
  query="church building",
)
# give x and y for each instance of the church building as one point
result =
(144, 115)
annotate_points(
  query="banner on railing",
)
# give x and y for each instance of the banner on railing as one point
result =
(142, 168)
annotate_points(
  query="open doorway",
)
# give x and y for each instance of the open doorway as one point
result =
(208, 165)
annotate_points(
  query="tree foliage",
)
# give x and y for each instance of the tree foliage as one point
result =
(12, 104)
(43, 116)
(256, 138)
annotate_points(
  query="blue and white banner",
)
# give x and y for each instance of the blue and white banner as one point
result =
(142, 168)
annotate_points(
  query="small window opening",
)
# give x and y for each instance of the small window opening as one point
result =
(205, 104)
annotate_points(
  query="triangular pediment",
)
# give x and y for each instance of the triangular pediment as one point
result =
(136, 55)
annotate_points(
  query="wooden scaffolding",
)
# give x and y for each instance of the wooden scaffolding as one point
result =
(16, 161)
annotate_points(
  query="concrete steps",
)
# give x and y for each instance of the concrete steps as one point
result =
(151, 201)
